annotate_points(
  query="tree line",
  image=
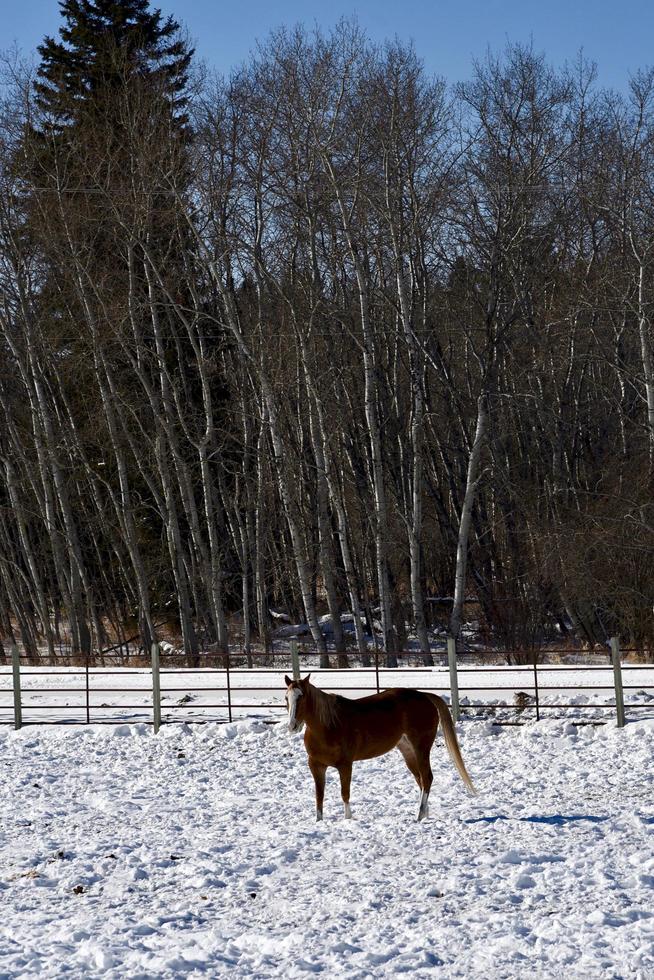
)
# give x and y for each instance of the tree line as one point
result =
(327, 335)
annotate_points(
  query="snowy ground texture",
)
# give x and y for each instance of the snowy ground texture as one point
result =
(194, 853)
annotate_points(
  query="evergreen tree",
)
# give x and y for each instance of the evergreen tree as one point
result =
(102, 43)
(107, 158)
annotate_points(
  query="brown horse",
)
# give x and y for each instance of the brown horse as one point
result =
(341, 731)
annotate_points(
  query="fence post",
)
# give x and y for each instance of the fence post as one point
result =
(454, 681)
(295, 660)
(229, 687)
(156, 688)
(536, 687)
(617, 680)
(86, 677)
(18, 707)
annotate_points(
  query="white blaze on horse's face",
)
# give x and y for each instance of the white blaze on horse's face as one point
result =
(293, 695)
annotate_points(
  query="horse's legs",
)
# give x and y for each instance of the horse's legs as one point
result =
(421, 750)
(345, 772)
(409, 756)
(318, 772)
(416, 756)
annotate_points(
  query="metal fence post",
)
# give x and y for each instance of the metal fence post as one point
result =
(536, 688)
(295, 660)
(229, 687)
(454, 680)
(156, 689)
(617, 680)
(18, 707)
(87, 685)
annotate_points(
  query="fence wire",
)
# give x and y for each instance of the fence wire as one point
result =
(221, 688)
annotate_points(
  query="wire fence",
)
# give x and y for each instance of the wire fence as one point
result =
(222, 689)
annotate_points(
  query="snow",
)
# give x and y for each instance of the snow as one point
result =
(194, 853)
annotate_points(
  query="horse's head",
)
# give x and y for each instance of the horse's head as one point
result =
(296, 699)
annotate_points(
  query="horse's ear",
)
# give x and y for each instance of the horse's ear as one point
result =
(288, 680)
(305, 680)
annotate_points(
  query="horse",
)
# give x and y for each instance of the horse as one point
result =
(340, 731)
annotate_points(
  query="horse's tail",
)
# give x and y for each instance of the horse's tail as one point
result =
(451, 741)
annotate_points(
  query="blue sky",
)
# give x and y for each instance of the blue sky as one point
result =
(618, 35)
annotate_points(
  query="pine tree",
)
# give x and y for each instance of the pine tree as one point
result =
(106, 161)
(110, 125)
(102, 42)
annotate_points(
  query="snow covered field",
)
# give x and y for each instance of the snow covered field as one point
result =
(194, 853)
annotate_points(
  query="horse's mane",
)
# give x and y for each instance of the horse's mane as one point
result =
(326, 707)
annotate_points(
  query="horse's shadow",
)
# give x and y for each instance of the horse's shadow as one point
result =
(554, 820)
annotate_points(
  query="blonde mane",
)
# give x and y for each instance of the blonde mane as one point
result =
(325, 707)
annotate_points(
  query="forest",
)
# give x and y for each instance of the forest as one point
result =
(326, 337)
